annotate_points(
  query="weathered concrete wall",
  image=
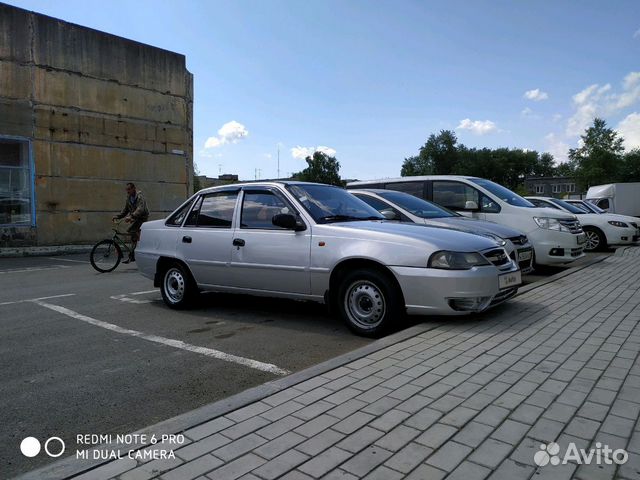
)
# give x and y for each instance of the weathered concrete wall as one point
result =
(100, 111)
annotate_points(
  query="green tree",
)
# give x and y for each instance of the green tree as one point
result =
(599, 159)
(630, 170)
(321, 168)
(438, 156)
(196, 180)
(564, 169)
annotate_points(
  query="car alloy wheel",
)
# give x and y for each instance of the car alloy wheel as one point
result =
(365, 304)
(593, 240)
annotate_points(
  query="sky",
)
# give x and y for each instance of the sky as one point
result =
(369, 80)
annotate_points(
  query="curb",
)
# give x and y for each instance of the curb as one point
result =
(71, 467)
(12, 252)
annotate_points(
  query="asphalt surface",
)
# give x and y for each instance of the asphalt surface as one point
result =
(89, 353)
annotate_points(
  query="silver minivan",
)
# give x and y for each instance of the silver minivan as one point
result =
(317, 242)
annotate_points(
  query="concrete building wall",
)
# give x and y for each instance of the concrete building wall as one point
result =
(98, 111)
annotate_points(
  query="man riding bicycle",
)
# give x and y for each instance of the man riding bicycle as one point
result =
(135, 212)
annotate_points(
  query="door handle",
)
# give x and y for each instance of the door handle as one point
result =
(238, 242)
(186, 239)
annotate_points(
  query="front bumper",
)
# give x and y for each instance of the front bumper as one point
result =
(429, 291)
(622, 236)
(556, 248)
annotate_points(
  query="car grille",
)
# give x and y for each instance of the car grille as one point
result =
(573, 225)
(498, 257)
(519, 240)
(576, 252)
(525, 265)
(503, 295)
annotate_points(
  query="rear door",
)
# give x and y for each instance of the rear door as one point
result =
(206, 237)
(264, 256)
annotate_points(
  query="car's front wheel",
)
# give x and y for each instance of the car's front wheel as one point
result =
(369, 302)
(177, 288)
(596, 240)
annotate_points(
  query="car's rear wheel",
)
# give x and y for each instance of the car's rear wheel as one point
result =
(178, 287)
(596, 240)
(369, 302)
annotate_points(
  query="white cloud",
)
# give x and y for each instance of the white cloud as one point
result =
(629, 129)
(230, 132)
(478, 127)
(596, 100)
(536, 95)
(300, 153)
(556, 147)
(637, 34)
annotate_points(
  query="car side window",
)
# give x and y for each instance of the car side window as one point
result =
(259, 208)
(214, 210)
(379, 205)
(412, 188)
(175, 220)
(456, 195)
(487, 205)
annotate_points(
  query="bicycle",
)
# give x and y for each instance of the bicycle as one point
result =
(106, 255)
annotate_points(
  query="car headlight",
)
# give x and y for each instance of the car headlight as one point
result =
(618, 224)
(456, 260)
(549, 223)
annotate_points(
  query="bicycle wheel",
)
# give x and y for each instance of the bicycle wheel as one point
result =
(106, 256)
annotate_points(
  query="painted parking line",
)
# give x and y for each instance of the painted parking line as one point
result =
(67, 260)
(37, 299)
(208, 352)
(126, 297)
(33, 269)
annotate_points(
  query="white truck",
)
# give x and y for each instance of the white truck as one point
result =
(620, 198)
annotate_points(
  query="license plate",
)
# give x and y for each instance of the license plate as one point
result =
(524, 255)
(509, 280)
(582, 238)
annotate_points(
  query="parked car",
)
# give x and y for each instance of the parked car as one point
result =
(403, 207)
(621, 198)
(557, 237)
(602, 230)
(589, 207)
(317, 242)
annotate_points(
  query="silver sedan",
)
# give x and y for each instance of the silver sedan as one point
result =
(317, 242)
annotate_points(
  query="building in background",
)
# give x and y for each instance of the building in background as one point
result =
(82, 112)
(559, 187)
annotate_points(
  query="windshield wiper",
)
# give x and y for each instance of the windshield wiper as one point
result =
(346, 218)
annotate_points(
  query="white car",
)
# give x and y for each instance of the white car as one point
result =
(557, 237)
(589, 207)
(602, 229)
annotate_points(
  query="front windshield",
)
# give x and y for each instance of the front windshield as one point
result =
(332, 204)
(503, 193)
(417, 206)
(593, 207)
(568, 206)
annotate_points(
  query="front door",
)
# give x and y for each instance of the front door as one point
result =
(264, 256)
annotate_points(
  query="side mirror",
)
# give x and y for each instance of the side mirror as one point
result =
(470, 205)
(389, 214)
(288, 221)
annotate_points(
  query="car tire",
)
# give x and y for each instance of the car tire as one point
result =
(369, 302)
(596, 241)
(178, 287)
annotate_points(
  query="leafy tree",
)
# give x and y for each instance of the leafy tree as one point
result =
(321, 168)
(565, 169)
(630, 169)
(599, 159)
(438, 156)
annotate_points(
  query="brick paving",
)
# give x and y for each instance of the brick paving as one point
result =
(469, 399)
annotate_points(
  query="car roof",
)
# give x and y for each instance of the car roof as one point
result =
(272, 183)
(413, 179)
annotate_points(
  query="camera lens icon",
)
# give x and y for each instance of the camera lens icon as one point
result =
(54, 447)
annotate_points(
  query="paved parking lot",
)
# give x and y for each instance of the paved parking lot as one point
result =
(82, 352)
(471, 399)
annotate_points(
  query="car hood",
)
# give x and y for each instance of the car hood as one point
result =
(403, 233)
(620, 218)
(471, 225)
(550, 213)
